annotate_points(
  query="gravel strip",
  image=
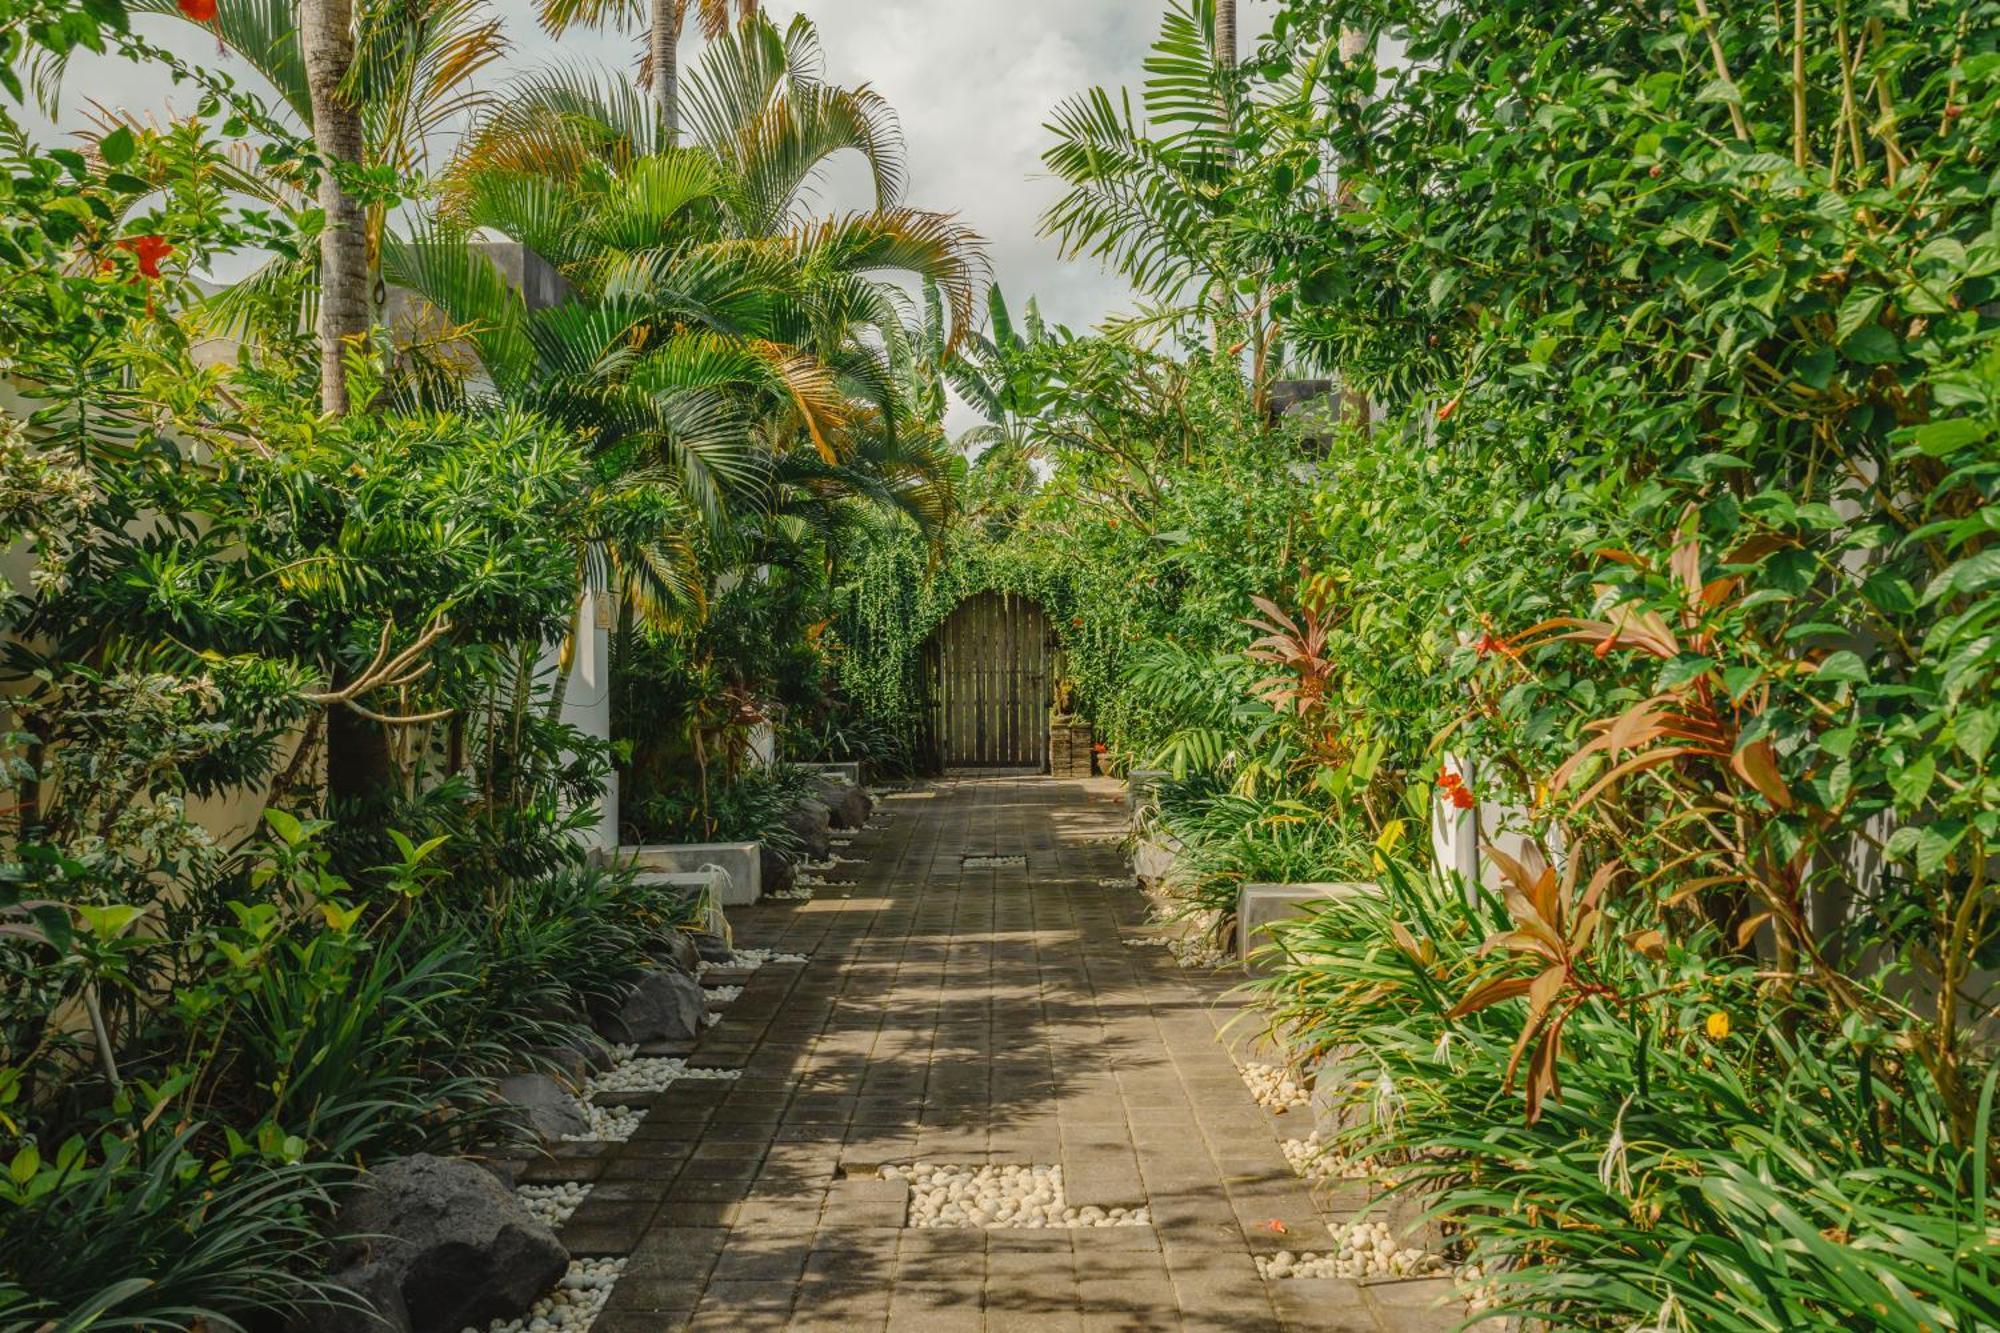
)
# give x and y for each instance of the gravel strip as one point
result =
(1316, 1159)
(995, 1197)
(653, 1073)
(552, 1204)
(1275, 1089)
(608, 1124)
(749, 960)
(575, 1303)
(1360, 1249)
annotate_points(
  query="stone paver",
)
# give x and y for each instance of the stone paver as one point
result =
(965, 1015)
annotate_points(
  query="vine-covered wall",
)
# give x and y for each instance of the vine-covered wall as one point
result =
(903, 589)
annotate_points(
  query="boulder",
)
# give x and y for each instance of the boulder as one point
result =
(541, 1106)
(664, 1004)
(436, 1245)
(777, 871)
(677, 950)
(847, 805)
(809, 822)
(713, 948)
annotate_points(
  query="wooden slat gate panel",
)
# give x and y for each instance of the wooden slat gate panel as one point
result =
(989, 669)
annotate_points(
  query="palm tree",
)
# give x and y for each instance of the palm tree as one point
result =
(721, 341)
(664, 21)
(1151, 197)
(326, 43)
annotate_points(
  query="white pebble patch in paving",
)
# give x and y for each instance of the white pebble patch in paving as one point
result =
(1360, 1249)
(654, 1073)
(1119, 882)
(722, 994)
(1275, 1089)
(608, 1124)
(749, 960)
(798, 893)
(1315, 1159)
(552, 1205)
(840, 842)
(1146, 942)
(575, 1303)
(1000, 1196)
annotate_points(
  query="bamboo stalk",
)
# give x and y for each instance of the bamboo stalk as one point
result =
(1799, 153)
(1722, 69)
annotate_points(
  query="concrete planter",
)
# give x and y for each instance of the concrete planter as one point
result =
(848, 771)
(1141, 785)
(742, 862)
(1259, 906)
(1154, 857)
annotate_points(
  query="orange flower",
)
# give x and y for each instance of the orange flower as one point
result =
(1718, 1025)
(1444, 413)
(201, 11)
(149, 251)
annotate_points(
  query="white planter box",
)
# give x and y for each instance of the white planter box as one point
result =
(1259, 906)
(740, 861)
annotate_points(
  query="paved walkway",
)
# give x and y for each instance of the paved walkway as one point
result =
(965, 1015)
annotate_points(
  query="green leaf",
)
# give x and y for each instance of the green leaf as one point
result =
(1935, 843)
(1856, 310)
(1872, 346)
(1973, 574)
(1938, 438)
(287, 827)
(109, 922)
(1973, 731)
(1843, 667)
(1913, 783)
(117, 147)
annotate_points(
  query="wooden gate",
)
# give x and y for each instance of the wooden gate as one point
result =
(988, 669)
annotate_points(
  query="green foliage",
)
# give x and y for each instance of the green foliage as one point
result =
(145, 1232)
(1758, 1178)
(1158, 521)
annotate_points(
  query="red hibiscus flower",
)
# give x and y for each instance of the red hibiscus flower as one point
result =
(201, 11)
(149, 251)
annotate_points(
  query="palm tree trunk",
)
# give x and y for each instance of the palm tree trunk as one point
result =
(326, 37)
(1225, 33)
(667, 19)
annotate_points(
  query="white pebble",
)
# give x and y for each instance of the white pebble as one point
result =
(574, 1305)
(998, 1197)
(552, 1204)
(651, 1073)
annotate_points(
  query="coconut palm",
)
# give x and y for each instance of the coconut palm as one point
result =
(719, 336)
(665, 20)
(1150, 196)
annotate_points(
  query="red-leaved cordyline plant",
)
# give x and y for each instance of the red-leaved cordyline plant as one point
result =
(1557, 930)
(1717, 767)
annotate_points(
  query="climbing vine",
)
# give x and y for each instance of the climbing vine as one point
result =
(1222, 515)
